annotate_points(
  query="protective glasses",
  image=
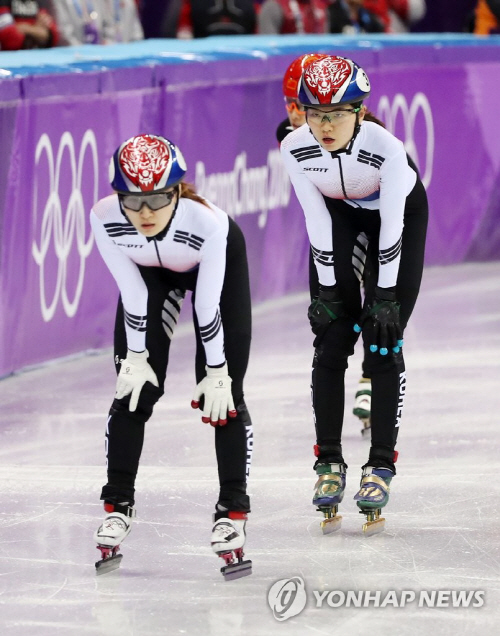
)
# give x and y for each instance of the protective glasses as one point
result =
(154, 202)
(332, 116)
(293, 105)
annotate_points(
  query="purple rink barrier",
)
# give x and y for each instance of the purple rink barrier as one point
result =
(57, 297)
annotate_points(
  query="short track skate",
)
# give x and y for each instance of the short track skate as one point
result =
(372, 496)
(328, 494)
(114, 529)
(374, 522)
(228, 539)
(332, 521)
(110, 559)
(236, 567)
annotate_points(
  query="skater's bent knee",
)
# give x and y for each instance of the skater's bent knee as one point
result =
(149, 396)
(374, 363)
(329, 359)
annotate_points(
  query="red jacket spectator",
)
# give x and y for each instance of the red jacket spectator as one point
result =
(406, 10)
(26, 24)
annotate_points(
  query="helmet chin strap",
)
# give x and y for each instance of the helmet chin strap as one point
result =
(162, 233)
(348, 148)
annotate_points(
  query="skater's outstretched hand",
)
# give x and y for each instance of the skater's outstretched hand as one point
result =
(134, 373)
(383, 313)
(325, 307)
(219, 403)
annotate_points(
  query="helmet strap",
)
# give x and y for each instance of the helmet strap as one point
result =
(163, 233)
(348, 149)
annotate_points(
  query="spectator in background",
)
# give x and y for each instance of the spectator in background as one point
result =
(27, 24)
(201, 18)
(487, 17)
(97, 21)
(350, 16)
(122, 21)
(152, 14)
(397, 15)
(293, 16)
(444, 16)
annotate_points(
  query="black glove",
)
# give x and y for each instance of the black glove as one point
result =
(383, 313)
(325, 308)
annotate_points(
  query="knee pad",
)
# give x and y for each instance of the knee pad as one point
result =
(242, 412)
(149, 396)
(334, 346)
(374, 363)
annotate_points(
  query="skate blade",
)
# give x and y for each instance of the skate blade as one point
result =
(328, 526)
(108, 565)
(374, 527)
(236, 570)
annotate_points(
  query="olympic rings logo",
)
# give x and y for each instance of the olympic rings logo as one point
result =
(389, 113)
(63, 227)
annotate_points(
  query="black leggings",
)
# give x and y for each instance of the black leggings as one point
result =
(233, 442)
(336, 344)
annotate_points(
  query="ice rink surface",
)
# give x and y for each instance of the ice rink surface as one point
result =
(443, 519)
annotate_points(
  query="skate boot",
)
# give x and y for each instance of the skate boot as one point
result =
(328, 493)
(228, 539)
(362, 405)
(115, 527)
(372, 496)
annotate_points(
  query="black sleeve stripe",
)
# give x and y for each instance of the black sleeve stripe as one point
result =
(388, 255)
(214, 325)
(324, 258)
(138, 323)
(209, 332)
(211, 324)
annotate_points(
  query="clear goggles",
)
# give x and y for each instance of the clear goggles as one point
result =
(154, 201)
(332, 116)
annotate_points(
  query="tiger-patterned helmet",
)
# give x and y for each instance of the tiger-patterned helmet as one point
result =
(146, 164)
(333, 80)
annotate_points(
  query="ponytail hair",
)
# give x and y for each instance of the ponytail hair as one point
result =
(369, 116)
(188, 191)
